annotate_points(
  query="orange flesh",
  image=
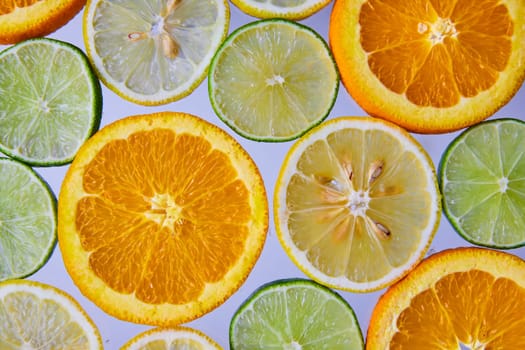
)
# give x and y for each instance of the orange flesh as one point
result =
(436, 52)
(8, 6)
(472, 308)
(164, 215)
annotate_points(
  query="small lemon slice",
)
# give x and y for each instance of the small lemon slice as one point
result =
(152, 53)
(34, 315)
(172, 338)
(289, 9)
(356, 203)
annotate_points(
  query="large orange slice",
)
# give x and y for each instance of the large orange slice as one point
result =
(430, 66)
(463, 298)
(161, 218)
(24, 19)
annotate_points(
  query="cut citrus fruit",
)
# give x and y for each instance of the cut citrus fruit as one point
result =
(182, 338)
(161, 217)
(482, 179)
(34, 315)
(295, 314)
(152, 53)
(356, 203)
(50, 101)
(289, 9)
(27, 220)
(431, 67)
(272, 80)
(463, 298)
(25, 19)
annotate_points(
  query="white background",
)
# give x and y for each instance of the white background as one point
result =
(273, 263)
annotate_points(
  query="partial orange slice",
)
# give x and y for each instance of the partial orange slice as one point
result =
(24, 19)
(430, 66)
(161, 218)
(463, 298)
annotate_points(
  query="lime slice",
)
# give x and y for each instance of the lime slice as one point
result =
(182, 338)
(482, 179)
(295, 314)
(356, 203)
(34, 315)
(50, 101)
(153, 52)
(289, 9)
(272, 80)
(27, 220)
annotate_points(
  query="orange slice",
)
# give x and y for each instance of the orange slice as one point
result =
(161, 218)
(430, 66)
(463, 298)
(24, 19)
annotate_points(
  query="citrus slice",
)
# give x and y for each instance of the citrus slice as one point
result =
(289, 9)
(272, 80)
(152, 53)
(50, 101)
(27, 220)
(463, 298)
(161, 218)
(34, 315)
(431, 67)
(183, 338)
(356, 203)
(25, 19)
(295, 314)
(482, 179)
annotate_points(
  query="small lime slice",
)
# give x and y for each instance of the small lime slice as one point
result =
(50, 101)
(27, 220)
(34, 315)
(272, 80)
(295, 314)
(482, 179)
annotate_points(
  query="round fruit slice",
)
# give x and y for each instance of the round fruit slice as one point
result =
(295, 314)
(161, 218)
(20, 20)
(463, 298)
(152, 53)
(172, 338)
(27, 220)
(356, 203)
(272, 80)
(38, 316)
(50, 101)
(482, 179)
(431, 67)
(289, 9)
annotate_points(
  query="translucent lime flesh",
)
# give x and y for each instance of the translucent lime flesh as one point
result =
(482, 178)
(273, 80)
(295, 314)
(49, 101)
(27, 220)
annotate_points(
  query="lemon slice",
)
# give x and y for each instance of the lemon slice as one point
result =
(272, 80)
(183, 338)
(289, 9)
(152, 53)
(34, 315)
(356, 203)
